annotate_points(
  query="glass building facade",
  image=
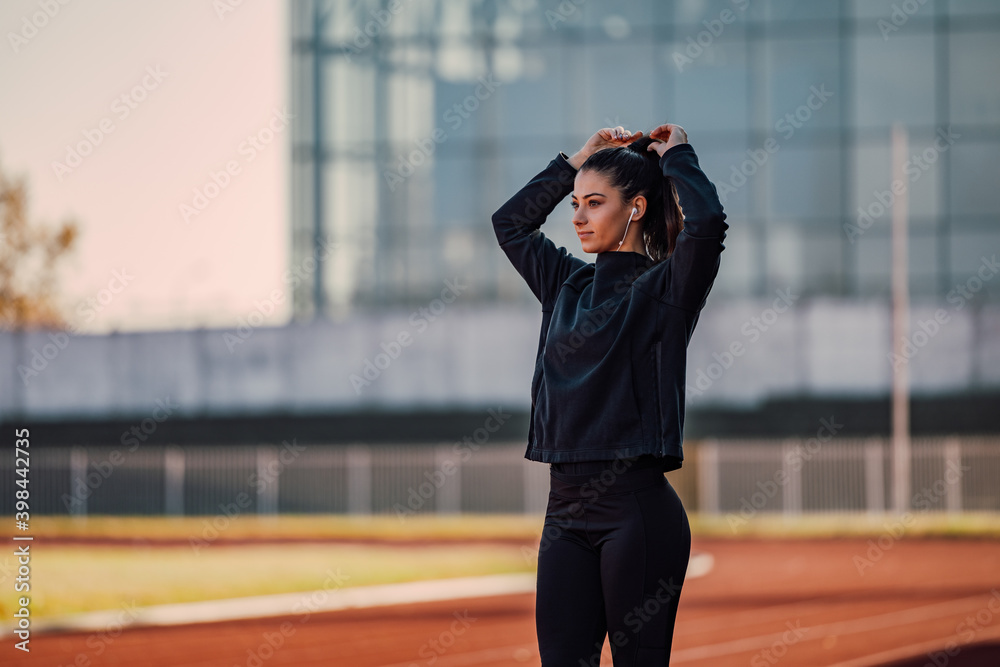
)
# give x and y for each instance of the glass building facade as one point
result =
(416, 119)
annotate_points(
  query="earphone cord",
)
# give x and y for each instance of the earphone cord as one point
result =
(626, 230)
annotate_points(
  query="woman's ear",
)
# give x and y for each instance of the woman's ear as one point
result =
(639, 203)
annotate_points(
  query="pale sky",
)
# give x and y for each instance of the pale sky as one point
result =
(196, 87)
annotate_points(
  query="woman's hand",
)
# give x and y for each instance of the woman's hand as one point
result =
(607, 137)
(668, 135)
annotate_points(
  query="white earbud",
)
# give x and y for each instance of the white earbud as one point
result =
(634, 211)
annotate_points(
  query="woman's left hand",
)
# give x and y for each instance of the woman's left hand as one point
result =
(668, 135)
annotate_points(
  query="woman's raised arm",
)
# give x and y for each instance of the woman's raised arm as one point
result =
(542, 264)
(685, 278)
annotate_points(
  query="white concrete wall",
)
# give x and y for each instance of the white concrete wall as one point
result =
(474, 356)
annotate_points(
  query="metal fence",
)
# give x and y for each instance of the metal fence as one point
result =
(790, 476)
(848, 475)
(280, 478)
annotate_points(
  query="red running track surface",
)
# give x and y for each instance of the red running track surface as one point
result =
(851, 602)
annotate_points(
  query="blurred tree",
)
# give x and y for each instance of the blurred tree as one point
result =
(28, 257)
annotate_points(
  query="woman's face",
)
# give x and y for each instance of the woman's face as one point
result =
(600, 216)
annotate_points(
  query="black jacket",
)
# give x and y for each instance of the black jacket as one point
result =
(610, 369)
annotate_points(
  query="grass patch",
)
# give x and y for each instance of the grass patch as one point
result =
(67, 578)
(326, 526)
(827, 525)
(76, 578)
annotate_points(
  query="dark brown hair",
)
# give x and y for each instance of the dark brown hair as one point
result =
(634, 171)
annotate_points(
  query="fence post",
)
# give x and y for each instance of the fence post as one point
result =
(536, 485)
(359, 479)
(874, 475)
(449, 496)
(953, 461)
(78, 481)
(792, 496)
(708, 476)
(267, 475)
(173, 480)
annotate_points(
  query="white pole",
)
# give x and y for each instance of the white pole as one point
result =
(900, 327)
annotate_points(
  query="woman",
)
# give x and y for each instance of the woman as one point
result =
(607, 396)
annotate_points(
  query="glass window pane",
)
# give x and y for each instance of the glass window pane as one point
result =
(783, 10)
(615, 82)
(696, 11)
(806, 258)
(973, 180)
(534, 99)
(614, 18)
(711, 89)
(974, 61)
(874, 264)
(722, 163)
(740, 261)
(894, 80)
(973, 7)
(803, 182)
(973, 257)
(802, 87)
(883, 9)
(784, 254)
(873, 195)
(349, 105)
(923, 263)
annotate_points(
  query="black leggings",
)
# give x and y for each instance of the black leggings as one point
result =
(611, 563)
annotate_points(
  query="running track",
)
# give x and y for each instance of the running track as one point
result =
(764, 603)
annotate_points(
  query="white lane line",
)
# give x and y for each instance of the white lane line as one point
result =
(754, 616)
(283, 604)
(916, 650)
(866, 624)
(699, 564)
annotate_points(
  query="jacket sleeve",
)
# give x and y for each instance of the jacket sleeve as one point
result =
(685, 278)
(516, 223)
